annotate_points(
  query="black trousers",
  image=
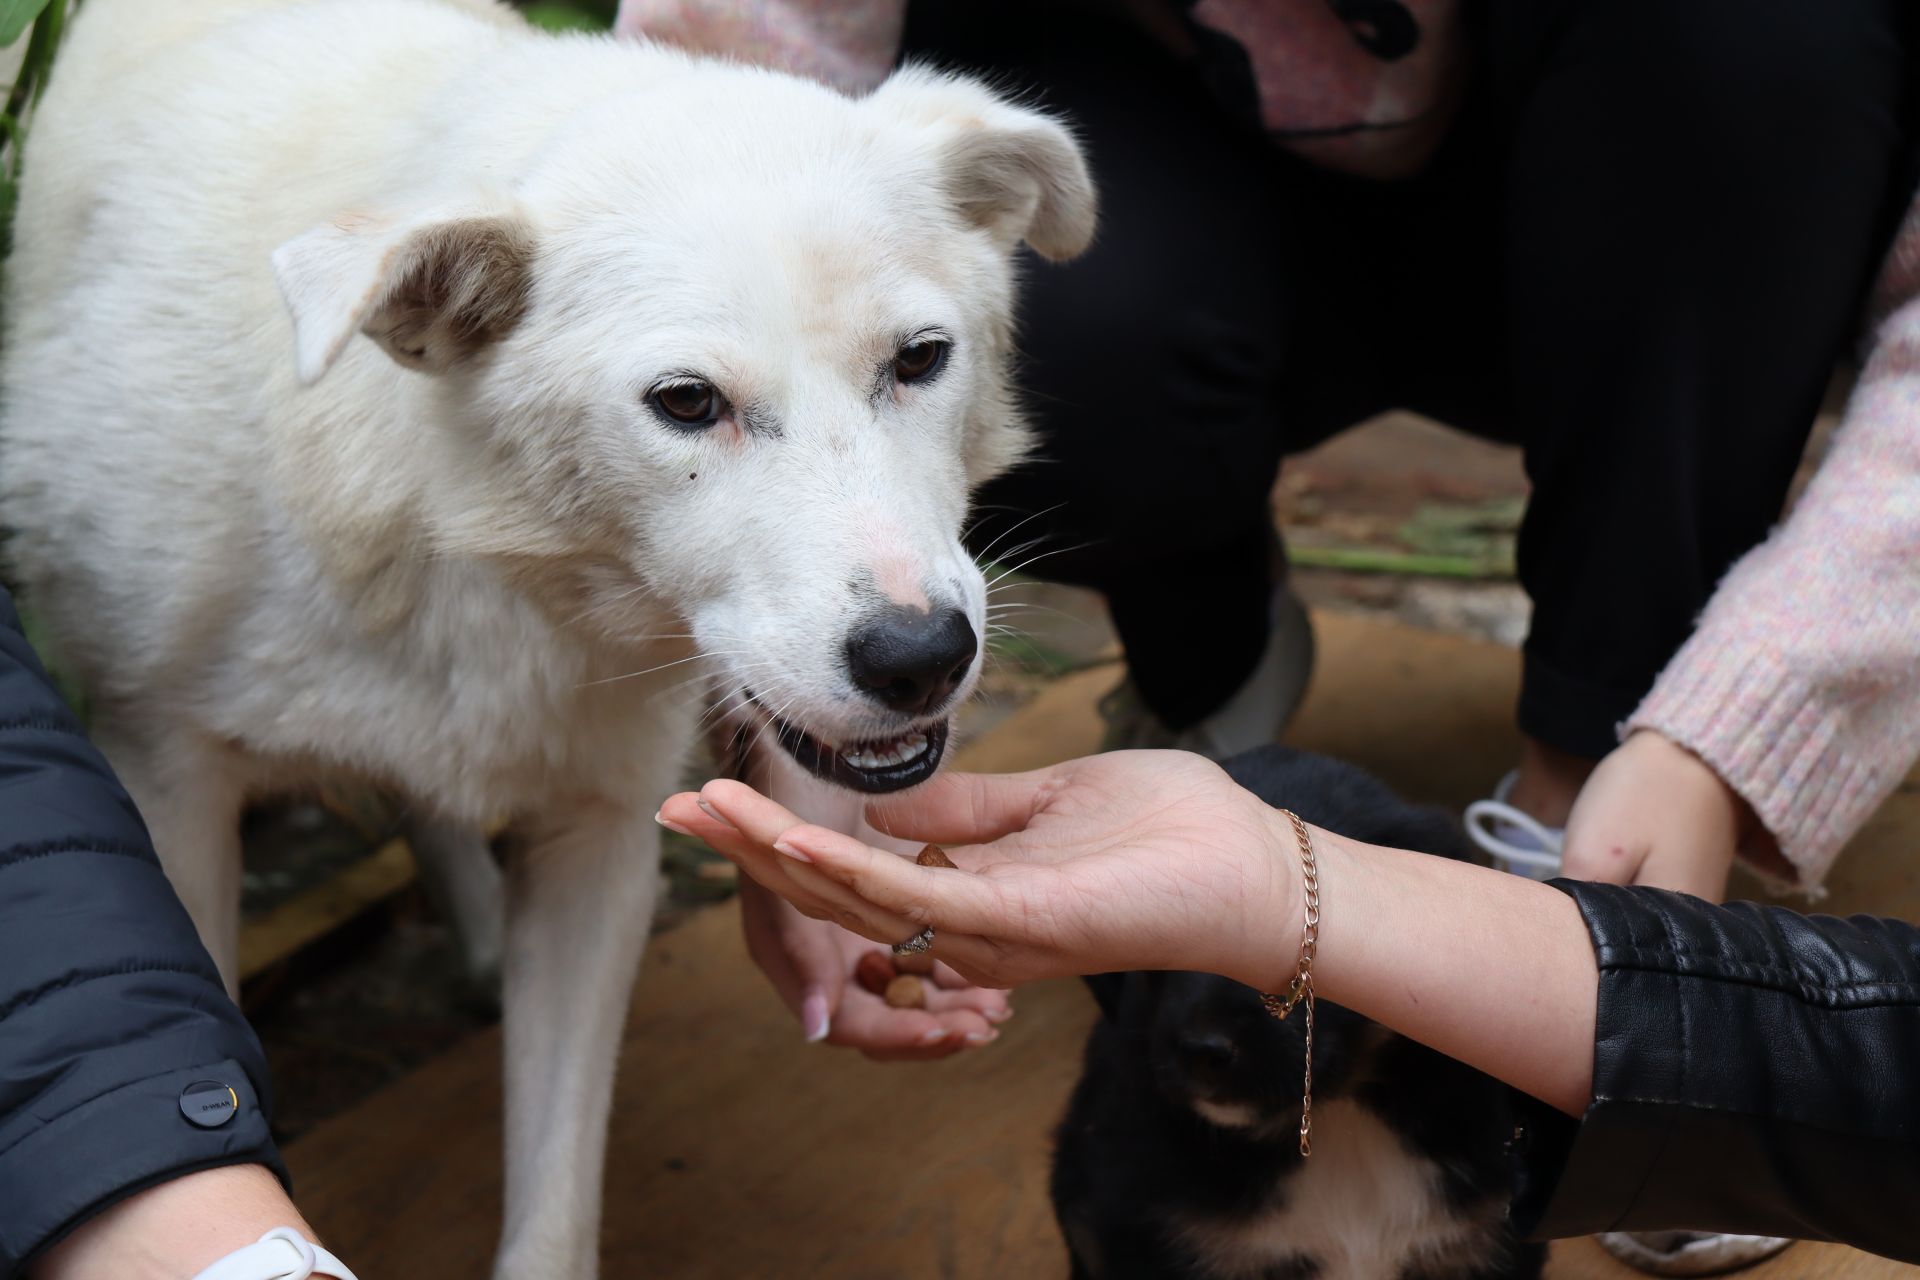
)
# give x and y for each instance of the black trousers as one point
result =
(1640, 255)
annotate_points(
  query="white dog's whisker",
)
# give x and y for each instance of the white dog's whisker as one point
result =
(981, 557)
(647, 671)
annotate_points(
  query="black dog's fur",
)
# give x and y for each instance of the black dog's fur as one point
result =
(1137, 1166)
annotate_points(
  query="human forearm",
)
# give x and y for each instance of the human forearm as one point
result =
(176, 1229)
(1495, 970)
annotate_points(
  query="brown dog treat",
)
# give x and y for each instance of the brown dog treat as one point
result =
(907, 992)
(917, 962)
(931, 855)
(874, 972)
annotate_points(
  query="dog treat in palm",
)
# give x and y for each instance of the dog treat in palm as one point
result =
(934, 856)
(907, 992)
(918, 962)
(874, 971)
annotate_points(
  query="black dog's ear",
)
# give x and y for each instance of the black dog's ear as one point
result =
(1109, 989)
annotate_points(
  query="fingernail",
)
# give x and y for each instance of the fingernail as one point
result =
(934, 1036)
(999, 1015)
(781, 846)
(709, 810)
(982, 1037)
(671, 825)
(814, 1016)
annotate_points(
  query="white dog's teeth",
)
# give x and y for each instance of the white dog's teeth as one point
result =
(890, 754)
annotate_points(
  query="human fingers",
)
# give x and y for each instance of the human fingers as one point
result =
(685, 814)
(812, 893)
(970, 808)
(990, 1003)
(797, 954)
(888, 886)
(867, 1023)
(946, 975)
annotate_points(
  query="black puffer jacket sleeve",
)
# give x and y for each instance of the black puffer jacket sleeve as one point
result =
(1755, 1070)
(109, 1006)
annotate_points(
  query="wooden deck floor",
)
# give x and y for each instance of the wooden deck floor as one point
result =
(739, 1151)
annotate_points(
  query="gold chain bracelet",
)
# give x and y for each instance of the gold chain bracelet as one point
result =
(1301, 988)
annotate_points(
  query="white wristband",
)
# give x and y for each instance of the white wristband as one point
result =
(281, 1254)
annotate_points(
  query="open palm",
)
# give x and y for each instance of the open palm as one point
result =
(1144, 859)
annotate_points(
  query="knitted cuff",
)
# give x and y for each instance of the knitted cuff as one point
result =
(1774, 739)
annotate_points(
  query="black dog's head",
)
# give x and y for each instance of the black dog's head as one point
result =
(1213, 1049)
(1209, 1043)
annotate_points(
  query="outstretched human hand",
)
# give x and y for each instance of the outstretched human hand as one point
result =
(1129, 860)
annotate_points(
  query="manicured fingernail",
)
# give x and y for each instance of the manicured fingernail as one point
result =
(982, 1037)
(934, 1036)
(671, 825)
(709, 810)
(814, 1016)
(999, 1015)
(781, 846)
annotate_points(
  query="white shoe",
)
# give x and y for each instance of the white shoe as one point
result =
(1688, 1253)
(1517, 842)
(1254, 716)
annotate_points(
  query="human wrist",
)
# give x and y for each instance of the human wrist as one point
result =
(175, 1229)
(1268, 954)
(1655, 751)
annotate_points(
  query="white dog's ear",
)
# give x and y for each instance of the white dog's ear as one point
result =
(1016, 171)
(432, 288)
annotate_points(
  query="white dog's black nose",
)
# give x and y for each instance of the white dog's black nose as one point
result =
(911, 661)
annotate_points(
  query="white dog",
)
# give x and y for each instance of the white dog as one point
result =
(601, 359)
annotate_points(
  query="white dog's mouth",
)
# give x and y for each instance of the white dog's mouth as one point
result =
(876, 765)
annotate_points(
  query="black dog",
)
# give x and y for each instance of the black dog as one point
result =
(1179, 1155)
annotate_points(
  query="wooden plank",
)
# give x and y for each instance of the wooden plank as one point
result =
(313, 913)
(737, 1150)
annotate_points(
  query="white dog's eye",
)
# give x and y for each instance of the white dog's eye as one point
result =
(920, 359)
(689, 404)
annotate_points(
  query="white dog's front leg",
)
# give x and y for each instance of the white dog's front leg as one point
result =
(580, 893)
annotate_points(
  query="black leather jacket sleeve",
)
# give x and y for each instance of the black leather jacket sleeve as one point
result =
(109, 1006)
(1755, 1070)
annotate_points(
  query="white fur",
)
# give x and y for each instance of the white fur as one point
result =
(462, 562)
(1362, 1205)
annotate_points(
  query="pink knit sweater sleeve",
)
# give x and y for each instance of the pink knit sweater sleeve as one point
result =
(1801, 684)
(850, 44)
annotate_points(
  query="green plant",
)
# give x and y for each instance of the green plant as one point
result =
(42, 22)
(570, 15)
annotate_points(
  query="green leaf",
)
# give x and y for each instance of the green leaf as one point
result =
(16, 16)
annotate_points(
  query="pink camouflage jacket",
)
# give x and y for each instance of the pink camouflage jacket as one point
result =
(1801, 682)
